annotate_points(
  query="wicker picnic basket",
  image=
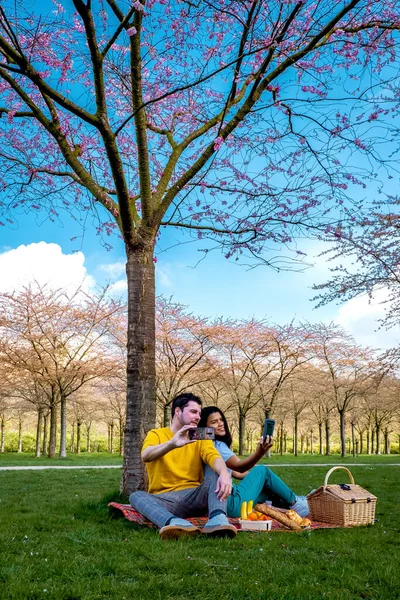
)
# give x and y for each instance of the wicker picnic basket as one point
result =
(342, 504)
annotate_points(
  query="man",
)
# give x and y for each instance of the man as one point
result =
(177, 489)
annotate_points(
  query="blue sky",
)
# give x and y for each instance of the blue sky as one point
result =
(213, 287)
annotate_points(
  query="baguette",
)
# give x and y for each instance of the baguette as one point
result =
(278, 516)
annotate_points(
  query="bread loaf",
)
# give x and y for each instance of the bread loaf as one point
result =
(278, 516)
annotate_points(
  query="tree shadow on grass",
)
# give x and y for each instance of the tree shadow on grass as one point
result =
(99, 510)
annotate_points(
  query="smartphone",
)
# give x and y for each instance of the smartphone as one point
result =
(202, 433)
(269, 426)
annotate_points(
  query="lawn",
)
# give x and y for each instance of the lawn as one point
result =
(57, 541)
(28, 459)
(104, 458)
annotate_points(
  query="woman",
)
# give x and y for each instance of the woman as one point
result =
(260, 484)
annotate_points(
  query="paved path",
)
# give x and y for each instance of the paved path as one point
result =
(41, 468)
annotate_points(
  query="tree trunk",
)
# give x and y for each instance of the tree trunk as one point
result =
(53, 431)
(312, 441)
(45, 422)
(302, 440)
(38, 432)
(111, 448)
(141, 373)
(78, 437)
(296, 436)
(19, 436)
(361, 442)
(378, 440)
(2, 434)
(353, 439)
(387, 441)
(72, 444)
(372, 440)
(121, 436)
(167, 415)
(242, 430)
(327, 437)
(285, 442)
(63, 427)
(320, 435)
(368, 442)
(342, 433)
(88, 448)
(281, 441)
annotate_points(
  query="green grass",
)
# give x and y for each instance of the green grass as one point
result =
(104, 458)
(333, 458)
(57, 541)
(27, 459)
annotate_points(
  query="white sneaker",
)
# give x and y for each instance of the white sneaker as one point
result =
(301, 506)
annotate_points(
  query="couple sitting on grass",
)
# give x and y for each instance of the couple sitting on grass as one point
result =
(189, 478)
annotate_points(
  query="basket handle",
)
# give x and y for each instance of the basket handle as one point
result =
(334, 469)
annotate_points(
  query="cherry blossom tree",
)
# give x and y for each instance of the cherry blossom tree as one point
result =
(372, 248)
(296, 397)
(183, 342)
(238, 121)
(61, 340)
(349, 369)
(322, 405)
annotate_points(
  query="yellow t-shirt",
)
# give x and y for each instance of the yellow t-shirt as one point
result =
(181, 468)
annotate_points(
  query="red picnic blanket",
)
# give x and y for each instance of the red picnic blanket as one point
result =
(132, 515)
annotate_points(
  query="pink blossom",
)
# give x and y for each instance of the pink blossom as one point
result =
(131, 31)
(218, 143)
(138, 6)
(359, 143)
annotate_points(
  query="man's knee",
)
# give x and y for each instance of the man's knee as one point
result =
(136, 498)
(211, 479)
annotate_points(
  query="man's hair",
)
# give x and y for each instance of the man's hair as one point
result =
(183, 400)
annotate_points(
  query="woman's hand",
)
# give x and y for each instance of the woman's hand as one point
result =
(264, 446)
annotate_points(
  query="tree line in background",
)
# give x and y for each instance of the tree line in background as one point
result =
(63, 363)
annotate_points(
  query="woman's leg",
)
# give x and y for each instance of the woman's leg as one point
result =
(259, 485)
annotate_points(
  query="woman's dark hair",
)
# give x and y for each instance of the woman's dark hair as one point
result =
(205, 413)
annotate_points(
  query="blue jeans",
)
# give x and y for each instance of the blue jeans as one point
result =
(192, 502)
(259, 485)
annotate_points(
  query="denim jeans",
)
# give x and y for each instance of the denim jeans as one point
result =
(192, 502)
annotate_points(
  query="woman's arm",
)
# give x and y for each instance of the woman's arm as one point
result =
(238, 475)
(241, 465)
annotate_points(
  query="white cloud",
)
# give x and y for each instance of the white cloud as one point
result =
(360, 315)
(163, 275)
(119, 286)
(113, 269)
(44, 263)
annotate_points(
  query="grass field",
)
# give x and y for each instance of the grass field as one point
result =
(25, 459)
(57, 541)
(104, 458)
